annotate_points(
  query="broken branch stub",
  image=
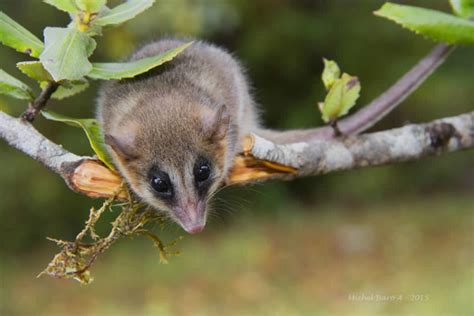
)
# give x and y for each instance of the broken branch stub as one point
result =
(94, 179)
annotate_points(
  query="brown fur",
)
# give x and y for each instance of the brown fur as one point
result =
(197, 104)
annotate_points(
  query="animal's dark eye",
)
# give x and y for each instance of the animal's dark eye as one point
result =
(202, 172)
(161, 184)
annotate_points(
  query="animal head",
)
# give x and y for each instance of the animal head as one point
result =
(174, 158)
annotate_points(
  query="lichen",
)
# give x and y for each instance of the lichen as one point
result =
(76, 257)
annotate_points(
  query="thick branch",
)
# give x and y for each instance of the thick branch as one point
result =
(23, 136)
(317, 157)
(95, 182)
(262, 159)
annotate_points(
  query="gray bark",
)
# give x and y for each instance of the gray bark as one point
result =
(315, 157)
(410, 142)
(24, 137)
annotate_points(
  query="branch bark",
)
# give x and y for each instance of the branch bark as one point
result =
(321, 156)
(24, 137)
(261, 158)
(40, 102)
(85, 175)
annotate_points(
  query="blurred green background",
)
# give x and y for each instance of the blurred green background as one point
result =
(296, 248)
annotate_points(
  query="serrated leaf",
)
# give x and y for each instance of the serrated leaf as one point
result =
(63, 5)
(108, 71)
(463, 8)
(93, 132)
(436, 25)
(92, 6)
(16, 36)
(66, 53)
(13, 87)
(34, 70)
(331, 73)
(124, 12)
(341, 98)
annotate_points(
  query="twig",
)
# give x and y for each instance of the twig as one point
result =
(390, 99)
(335, 126)
(40, 102)
(372, 113)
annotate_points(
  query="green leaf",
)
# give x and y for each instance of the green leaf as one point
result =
(76, 87)
(463, 8)
(93, 132)
(34, 70)
(63, 5)
(66, 53)
(438, 26)
(5, 108)
(341, 97)
(107, 71)
(16, 36)
(124, 12)
(68, 89)
(13, 87)
(94, 30)
(331, 73)
(92, 6)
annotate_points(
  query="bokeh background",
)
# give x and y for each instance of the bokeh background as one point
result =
(296, 248)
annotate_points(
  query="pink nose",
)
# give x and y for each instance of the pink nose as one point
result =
(194, 229)
(191, 218)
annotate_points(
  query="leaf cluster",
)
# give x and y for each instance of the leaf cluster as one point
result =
(343, 92)
(63, 58)
(64, 55)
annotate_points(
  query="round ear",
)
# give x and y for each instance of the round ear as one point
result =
(216, 123)
(123, 146)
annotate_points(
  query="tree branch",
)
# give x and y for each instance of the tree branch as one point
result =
(23, 136)
(261, 158)
(95, 182)
(271, 154)
(40, 102)
(321, 156)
